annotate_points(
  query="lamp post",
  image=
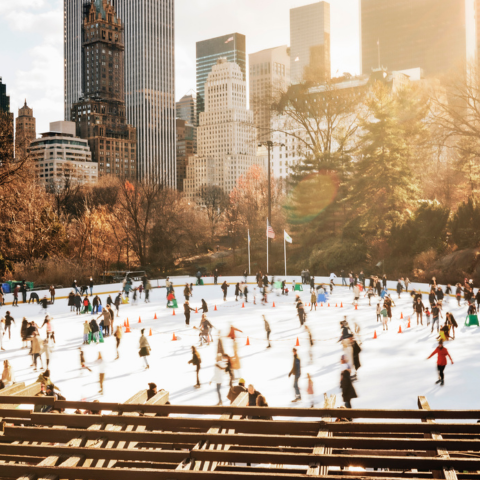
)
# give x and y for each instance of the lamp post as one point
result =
(269, 144)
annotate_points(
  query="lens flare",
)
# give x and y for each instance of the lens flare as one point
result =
(311, 196)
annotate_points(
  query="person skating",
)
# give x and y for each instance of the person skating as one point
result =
(50, 331)
(384, 313)
(310, 390)
(399, 287)
(82, 361)
(205, 327)
(442, 354)
(118, 301)
(52, 294)
(186, 310)
(2, 329)
(452, 322)
(236, 390)
(78, 303)
(296, 372)
(118, 339)
(356, 294)
(313, 300)
(458, 294)
(348, 392)
(300, 310)
(204, 307)
(8, 376)
(355, 356)
(215, 276)
(310, 342)
(237, 291)
(144, 348)
(95, 330)
(224, 288)
(8, 324)
(100, 362)
(196, 361)
(219, 370)
(96, 302)
(71, 301)
(419, 308)
(267, 330)
(86, 331)
(90, 284)
(47, 350)
(36, 351)
(15, 296)
(435, 317)
(379, 312)
(186, 292)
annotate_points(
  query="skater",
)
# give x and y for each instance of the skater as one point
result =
(107, 320)
(144, 348)
(50, 332)
(44, 303)
(442, 354)
(71, 301)
(356, 295)
(435, 314)
(95, 330)
(348, 392)
(379, 312)
(186, 292)
(310, 390)
(452, 322)
(118, 339)
(237, 291)
(8, 377)
(370, 293)
(140, 290)
(235, 391)
(15, 296)
(458, 294)
(90, 284)
(419, 308)
(267, 330)
(296, 372)
(96, 302)
(47, 350)
(219, 370)
(8, 324)
(2, 330)
(355, 356)
(186, 310)
(310, 343)
(313, 300)
(205, 327)
(82, 361)
(204, 307)
(399, 287)
(224, 288)
(215, 276)
(36, 351)
(78, 303)
(87, 330)
(148, 287)
(118, 300)
(101, 371)
(196, 361)
(52, 294)
(384, 313)
(300, 310)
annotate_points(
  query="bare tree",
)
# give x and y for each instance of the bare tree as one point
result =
(214, 201)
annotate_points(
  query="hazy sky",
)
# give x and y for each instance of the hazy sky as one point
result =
(31, 42)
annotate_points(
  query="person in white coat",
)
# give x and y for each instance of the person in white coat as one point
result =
(218, 374)
(2, 330)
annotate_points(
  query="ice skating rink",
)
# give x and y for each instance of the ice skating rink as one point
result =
(394, 368)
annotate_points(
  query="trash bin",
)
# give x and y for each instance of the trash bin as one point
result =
(6, 288)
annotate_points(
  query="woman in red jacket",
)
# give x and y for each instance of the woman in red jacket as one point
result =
(442, 354)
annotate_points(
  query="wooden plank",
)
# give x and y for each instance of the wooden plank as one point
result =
(445, 472)
(63, 435)
(12, 389)
(15, 399)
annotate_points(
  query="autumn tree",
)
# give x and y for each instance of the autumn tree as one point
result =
(214, 201)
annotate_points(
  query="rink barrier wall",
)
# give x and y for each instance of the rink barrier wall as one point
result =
(231, 280)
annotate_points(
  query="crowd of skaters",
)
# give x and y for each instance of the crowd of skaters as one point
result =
(230, 365)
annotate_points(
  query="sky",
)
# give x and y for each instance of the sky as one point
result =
(31, 43)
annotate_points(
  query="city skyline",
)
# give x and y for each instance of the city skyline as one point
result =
(33, 66)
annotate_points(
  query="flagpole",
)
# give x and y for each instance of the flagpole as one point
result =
(285, 252)
(249, 252)
(267, 245)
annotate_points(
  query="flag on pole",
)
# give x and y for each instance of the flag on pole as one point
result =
(287, 237)
(270, 232)
(230, 40)
(249, 237)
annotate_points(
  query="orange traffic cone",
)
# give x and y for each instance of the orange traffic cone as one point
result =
(375, 335)
(341, 305)
(328, 304)
(400, 329)
(273, 306)
(125, 323)
(243, 305)
(127, 330)
(356, 307)
(150, 334)
(215, 309)
(173, 312)
(321, 304)
(336, 305)
(128, 323)
(248, 342)
(155, 317)
(174, 338)
(408, 322)
(196, 309)
(139, 320)
(306, 304)
(401, 316)
(298, 343)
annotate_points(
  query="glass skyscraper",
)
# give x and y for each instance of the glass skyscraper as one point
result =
(232, 47)
(149, 78)
(404, 34)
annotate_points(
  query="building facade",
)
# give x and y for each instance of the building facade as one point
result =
(269, 76)
(310, 43)
(186, 109)
(404, 34)
(150, 84)
(6, 143)
(100, 115)
(60, 156)
(232, 47)
(149, 79)
(186, 148)
(25, 130)
(226, 135)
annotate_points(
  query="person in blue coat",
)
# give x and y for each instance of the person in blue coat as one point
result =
(296, 371)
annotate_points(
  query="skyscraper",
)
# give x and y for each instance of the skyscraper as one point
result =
(186, 147)
(6, 140)
(4, 98)
(310, 43)
(232, 47)
(150, 83)
(187, 108)
(404, 34)
(226, 134)
(269, 76)
(100, 114)
(25, 130)
(149, 80)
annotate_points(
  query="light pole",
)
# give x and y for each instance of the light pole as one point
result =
(269, 144)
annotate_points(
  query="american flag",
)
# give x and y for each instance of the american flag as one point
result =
(270, 232)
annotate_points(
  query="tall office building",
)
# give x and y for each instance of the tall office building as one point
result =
(269, 76)
(25, 130)
(149, 81)
(6, 142)
(187, 108)
(310, 43)
(232, 47)
(100, 113)
(404, 34)
(186, 147)
(226, 135)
